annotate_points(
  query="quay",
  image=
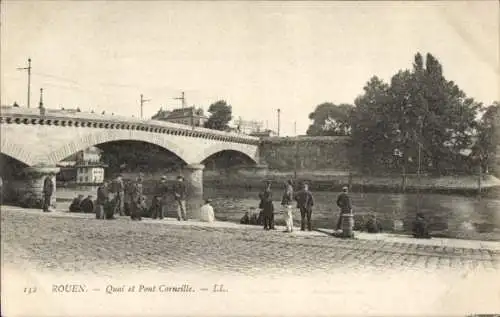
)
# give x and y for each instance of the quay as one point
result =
(379, 272)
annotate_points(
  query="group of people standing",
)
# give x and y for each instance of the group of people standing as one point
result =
(120, 198)
(304, 202)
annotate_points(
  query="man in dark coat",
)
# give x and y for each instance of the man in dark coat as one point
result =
(305, 202)
(137, 199)
(266, 204)
(156, 208)
(76, 204)
(344, 203)
(102, 200)
(119, 190)
(162, 192)
(180, 193)
(48, 191)
(87, 206)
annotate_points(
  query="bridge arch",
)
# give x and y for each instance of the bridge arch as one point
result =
(248, 151)
(106, 136)
(17, 152)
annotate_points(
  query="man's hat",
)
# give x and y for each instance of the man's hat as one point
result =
(164, 177)
(345, 188)
(208, 200)
(180, 177)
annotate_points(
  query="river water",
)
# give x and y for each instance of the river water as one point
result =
(453, 216)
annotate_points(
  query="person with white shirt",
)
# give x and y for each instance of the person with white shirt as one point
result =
(207, 212)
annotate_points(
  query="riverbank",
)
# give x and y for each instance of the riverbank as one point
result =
(440, 244)
(334, 180)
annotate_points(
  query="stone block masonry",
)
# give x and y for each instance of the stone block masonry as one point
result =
(306, 153)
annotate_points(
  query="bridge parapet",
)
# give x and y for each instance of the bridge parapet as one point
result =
(67, 118)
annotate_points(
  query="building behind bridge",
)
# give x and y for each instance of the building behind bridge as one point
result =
(189, 116)
(82, 168)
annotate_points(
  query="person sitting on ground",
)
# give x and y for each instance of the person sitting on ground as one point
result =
(75, 205)
(207, 212)
(373, 225)
(87, 205)
(245, 220)
(420, 227)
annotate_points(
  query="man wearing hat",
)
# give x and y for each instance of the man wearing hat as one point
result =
(102, 200)
(305, 202)
(344, 203)
(161, 195)
(137, 198)
(119, 190)
(180, 198)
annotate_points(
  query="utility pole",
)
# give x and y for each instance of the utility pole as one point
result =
(295, 128)
(296, 158)
(40, 105)
(279, 111)
(142, 103)
(183, 99)
(29, 78)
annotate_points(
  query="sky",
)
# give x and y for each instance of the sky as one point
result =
(258, 56)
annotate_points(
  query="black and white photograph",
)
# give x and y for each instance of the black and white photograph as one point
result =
(250, 158)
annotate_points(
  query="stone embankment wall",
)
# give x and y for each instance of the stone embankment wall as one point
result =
(306, 153)
(325, 163)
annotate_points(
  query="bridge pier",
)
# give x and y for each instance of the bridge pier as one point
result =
(193, 174)
(29, 190)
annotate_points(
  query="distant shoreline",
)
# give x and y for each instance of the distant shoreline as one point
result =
(328, 180)
(334, 181)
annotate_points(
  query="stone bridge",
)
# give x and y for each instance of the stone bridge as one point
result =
(40, 138)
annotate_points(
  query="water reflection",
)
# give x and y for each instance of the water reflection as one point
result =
(449, 215)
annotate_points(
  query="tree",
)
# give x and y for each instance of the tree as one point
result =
(489, 135)
(220, 115)
(370, 125)
(419, 110)
(330, 119)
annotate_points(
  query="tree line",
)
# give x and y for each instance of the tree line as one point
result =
(419, 120)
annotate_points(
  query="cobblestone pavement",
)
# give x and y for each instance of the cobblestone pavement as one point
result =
(86, 244)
